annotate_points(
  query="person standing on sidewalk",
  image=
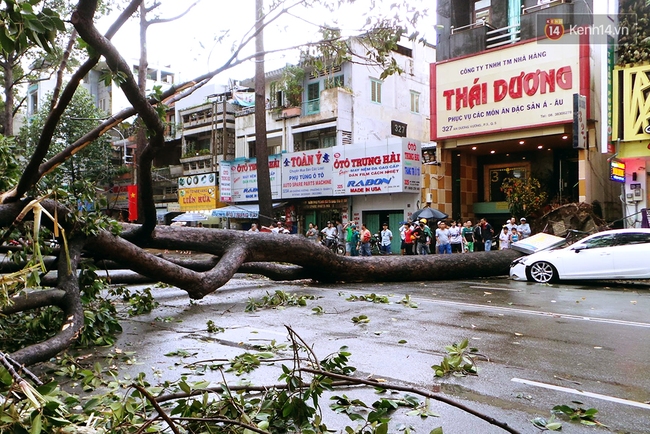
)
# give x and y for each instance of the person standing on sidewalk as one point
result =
(468, 236)
(386, 237)
(455, 237)
(443, 239)
(524, 228)
(486, 234)
(420, 238)
(365, 240)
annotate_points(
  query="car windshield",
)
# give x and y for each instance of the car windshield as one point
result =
(572, 236)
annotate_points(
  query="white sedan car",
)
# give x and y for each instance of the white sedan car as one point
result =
(615, 254)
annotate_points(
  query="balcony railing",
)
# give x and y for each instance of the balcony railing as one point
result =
(537, 8)
(479, 23)
(503, 36)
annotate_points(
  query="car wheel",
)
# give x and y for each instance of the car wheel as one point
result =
(542, 272)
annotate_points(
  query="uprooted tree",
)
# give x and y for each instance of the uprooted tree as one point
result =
(36, 207)
(84, 235)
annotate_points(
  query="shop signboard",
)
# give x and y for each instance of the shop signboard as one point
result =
(117, 197)
(307, 174)
(243, 178)
(393, 167)
(617, 170)
(197, 192)
(522, 86)
(579, 121)
(225, 186)
(390, 167)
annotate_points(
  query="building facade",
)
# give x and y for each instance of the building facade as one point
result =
(347, 110)
(630, 133)
(509, 98)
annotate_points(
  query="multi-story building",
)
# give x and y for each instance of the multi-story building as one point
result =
(631, 117)
(346, 115)
(202, 137)
(110, 99)
(519, 89)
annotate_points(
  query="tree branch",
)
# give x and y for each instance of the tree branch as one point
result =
(72, 310)
(160, 411)
(416, 391)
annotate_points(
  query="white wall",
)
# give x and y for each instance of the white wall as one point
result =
(372, 120)
(380, 202)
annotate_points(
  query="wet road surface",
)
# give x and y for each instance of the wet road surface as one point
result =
(540, 345)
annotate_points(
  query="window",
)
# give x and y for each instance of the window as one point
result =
(277, 96)
(33, 103)
(600, 241)
(482, 11)
(408, 52)
(315, 139)
(375, 91)
(311, 144)
(633, 238)
(336, 81)
(313, 98)
(251, 150)
(415, 102)
(329, 141)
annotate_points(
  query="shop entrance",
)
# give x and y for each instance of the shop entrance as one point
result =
(320, 211)
(375, 219)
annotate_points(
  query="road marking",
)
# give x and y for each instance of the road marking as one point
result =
(537, 313)
(498, 288)
(583, 393)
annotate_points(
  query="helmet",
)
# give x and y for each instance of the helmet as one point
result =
(423, 221)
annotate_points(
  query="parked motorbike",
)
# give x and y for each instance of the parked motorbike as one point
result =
(336, 246)
(374, 244)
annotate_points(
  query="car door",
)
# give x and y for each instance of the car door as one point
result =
(632, 255)
(590, 258)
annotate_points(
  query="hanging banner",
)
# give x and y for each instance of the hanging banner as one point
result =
(133, 202)
(225, 186)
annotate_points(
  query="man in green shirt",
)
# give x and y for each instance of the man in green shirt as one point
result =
(468, 235)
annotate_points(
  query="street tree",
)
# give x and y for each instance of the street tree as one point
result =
(91, 164)
(30, 40)
(22, 205)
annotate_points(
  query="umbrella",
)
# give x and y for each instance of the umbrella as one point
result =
(190, 217)
(428, 213)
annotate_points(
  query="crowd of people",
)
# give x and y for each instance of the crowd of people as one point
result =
(417, 238)
(457, 237)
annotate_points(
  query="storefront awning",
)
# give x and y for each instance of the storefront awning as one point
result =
(190, 217)
(240, 211)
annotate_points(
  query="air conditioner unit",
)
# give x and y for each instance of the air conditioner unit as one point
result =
(429, 197)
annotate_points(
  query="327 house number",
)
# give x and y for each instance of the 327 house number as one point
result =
(398, 128)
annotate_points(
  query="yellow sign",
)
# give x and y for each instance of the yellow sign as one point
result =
(636, 102)
(198, 198)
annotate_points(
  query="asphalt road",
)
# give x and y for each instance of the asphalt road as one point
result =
(540, 345)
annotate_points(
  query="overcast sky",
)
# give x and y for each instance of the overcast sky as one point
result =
(189, 44)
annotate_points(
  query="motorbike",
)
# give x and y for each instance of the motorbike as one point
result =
(336, 246)
(374, 244)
